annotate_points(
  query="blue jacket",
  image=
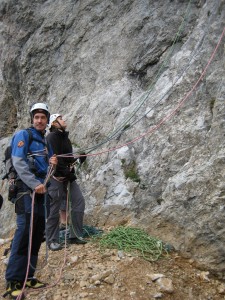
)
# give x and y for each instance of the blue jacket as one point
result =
(22, 146)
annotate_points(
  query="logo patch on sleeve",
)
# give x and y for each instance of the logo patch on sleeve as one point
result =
(20, 144)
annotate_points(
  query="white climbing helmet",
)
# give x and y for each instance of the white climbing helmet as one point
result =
(53, 117)
(39, 107)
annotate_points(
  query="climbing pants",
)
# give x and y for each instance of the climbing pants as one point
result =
(57, 194)
(18, 260)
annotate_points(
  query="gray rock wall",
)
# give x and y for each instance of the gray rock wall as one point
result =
(142, 97)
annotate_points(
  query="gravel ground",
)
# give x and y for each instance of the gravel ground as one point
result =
(85, 272)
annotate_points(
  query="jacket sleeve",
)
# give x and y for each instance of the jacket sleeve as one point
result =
(62, 168)
(20, 145)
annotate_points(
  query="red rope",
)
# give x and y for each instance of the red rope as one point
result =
(30, 245)
(166, 118)
(51, 169)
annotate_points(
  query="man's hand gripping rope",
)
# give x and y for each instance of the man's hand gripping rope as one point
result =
(41, 188)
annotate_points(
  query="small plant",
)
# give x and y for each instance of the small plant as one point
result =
(130, 171)
(75, 145)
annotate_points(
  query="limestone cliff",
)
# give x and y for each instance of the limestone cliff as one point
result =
(141, 84)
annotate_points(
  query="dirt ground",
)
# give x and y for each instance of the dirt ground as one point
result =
(85, 272)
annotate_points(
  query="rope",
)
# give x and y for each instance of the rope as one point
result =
(90, 231)
(166, 118)
(123, 125)
(117, 133)
(73, 229)
(134, 241)
(197, 49)
(50, 172)
(153, 249)
(65, 255)
(29, 246)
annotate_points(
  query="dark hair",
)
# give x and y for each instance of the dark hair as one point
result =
(52, 128)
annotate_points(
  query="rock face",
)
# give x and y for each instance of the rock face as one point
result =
(141, 85)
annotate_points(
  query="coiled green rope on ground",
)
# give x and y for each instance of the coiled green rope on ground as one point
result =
(135, 241)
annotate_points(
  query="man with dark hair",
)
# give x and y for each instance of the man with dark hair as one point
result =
(31, 161)
(63, 178)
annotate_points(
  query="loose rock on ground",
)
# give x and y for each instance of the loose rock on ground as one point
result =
(85, 272)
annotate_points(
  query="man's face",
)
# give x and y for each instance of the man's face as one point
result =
(40, 121)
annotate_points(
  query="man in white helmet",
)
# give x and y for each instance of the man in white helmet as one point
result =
(64, 176)
(30, 158)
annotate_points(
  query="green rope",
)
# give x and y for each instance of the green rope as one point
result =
(135, 241)
(88, 232)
